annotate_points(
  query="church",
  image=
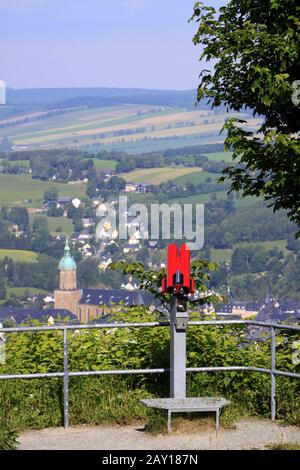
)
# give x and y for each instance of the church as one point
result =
(88, 304)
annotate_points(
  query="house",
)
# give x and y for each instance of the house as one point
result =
(63, 201)
(96, 201)
(87, 222)
(104, 263)
(85, 235)
(142, 187)
(130, 187)
(86, 250)
(153, 244)
(131, 248)
(76, 202)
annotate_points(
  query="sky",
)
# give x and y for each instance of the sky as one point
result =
(98, 43)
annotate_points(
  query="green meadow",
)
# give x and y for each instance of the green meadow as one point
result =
(219, 156)
(104, 164)
(16, 189)
(225, 254)
(54, 223)
(19, 255)
(196, 177)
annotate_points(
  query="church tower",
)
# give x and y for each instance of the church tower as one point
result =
(68, 296)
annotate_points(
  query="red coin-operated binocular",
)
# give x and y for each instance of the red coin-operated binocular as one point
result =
(178, 280)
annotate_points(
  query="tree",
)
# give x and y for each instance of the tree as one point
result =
(255, 46)
(51, 194)
(2, 286)
(19, 215)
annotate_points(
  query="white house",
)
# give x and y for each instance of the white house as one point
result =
(76, 202)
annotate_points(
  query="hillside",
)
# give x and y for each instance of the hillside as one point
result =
(96, 118)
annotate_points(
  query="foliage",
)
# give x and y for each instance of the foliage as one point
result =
(38, 403)
(285, 446)
(255, 47)
(151, 280)
(8, 436)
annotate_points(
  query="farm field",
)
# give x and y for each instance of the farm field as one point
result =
(104, 164)
(219, 156)
(157, 131)
(16, 189)
(19, 255)
(116, 125)
(156, 175)
(225, 254)
(205, 198)
(196, 177)
(73, 120)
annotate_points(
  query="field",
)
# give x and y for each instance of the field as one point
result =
(56, 222)
(104, 164)
(157, 175)
(196, 177)
(19, 162)
(23, 190)
(225, 255)
(18, 255)
(219, 156)
(118, 126)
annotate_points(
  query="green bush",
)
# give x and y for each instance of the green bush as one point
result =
(38, 403)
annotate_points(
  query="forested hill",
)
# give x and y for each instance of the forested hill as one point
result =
(68, 97)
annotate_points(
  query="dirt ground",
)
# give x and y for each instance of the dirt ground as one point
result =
(247, 434)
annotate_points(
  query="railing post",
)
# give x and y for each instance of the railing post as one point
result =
(177, 351)
(66, 380)
(273, 376)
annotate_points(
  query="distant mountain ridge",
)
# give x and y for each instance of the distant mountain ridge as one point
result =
(50, 98)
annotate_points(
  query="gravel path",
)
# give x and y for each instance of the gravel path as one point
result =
(250, 434)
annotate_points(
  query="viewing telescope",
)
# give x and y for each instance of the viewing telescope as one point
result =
(178, 280)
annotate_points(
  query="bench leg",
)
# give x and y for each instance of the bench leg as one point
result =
(217, 421)
(169, 421)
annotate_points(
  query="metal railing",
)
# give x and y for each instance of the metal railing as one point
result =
(65, 374)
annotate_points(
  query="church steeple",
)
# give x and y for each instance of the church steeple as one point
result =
(67, 270)
(67, 262)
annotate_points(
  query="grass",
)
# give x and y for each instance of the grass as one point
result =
(223, 255)
(219, 156)
(16, 189)
(89, 125)
(19, 255)
(104, 164)
(284, 446)
(201, 198)
(19, 162)
(55, 222)
(196, 177)
(156, 175)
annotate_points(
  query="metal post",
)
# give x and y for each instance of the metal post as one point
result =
(273, 376)
(217, 421)
(169, 421)
(177, 352)
(66, 380)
